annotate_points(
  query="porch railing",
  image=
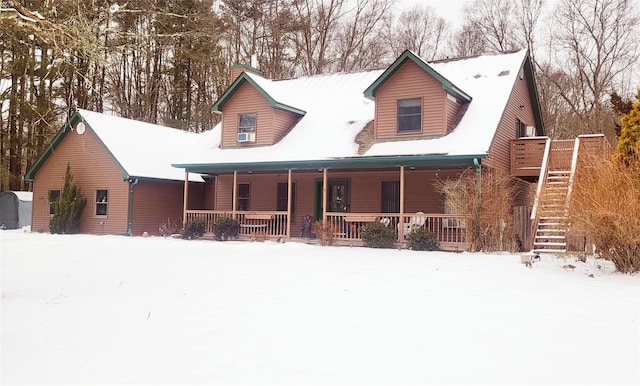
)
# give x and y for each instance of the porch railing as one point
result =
(270, 223)
(526, 156)
(448, 228)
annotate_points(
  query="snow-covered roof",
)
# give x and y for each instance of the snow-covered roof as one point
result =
(142, 149)
(336, 110)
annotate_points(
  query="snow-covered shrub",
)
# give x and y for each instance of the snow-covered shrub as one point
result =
(378, 235)
(225, 227)
(605, 204)
(193, 229)
(421, 239)
(68, 208)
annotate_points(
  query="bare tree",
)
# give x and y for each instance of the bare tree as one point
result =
(493, 19)
(594, 44)
(418, 29)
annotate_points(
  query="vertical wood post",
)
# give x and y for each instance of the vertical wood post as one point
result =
(185, 199)
(235, 193)
(401, 221)
(324, 194)
(289, 196)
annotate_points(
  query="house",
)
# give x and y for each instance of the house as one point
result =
(122, 166)
(360, 147)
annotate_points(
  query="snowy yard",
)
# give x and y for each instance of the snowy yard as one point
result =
(118, 310)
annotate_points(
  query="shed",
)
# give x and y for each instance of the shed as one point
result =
(15, 209)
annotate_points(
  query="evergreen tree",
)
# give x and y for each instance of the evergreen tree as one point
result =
(68, 209)
(628, 150)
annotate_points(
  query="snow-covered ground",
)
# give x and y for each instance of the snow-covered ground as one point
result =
(119, 310)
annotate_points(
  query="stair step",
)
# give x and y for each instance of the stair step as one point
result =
(559, 171)
(542, 250)
(547, 237)
(550, 244)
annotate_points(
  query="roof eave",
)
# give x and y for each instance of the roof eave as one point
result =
(379, 162)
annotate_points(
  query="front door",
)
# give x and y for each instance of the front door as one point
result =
(338, 199)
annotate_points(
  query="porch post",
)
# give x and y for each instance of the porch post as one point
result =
(324, 194)
(289, 195)
(401, 221)
(235, 193)
(185, 200)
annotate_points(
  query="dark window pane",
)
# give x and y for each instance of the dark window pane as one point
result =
(409, 115)
(247, 123)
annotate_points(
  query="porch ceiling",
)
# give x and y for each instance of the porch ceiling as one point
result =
(359, 163)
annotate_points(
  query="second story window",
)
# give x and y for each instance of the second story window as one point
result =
(102, 202)
(409, 115)
(247, 123)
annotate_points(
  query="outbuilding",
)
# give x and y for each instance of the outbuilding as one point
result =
(15, 209)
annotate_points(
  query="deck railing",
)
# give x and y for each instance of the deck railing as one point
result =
(270, 223)
(448, 228)
(526, 156)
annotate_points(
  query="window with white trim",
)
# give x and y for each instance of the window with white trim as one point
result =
(409, 114)
(102, 202)
(247, 122)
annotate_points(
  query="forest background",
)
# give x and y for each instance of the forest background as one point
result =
(167, 61)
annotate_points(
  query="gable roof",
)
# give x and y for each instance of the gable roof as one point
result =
(141, 150)
(263, 86)
(447, 85)
(337, 110)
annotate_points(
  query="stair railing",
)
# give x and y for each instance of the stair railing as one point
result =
(574, 167)
(542, 179)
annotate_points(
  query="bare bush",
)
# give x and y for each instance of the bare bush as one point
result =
(325, 231)
(605, 204)
(487, 202)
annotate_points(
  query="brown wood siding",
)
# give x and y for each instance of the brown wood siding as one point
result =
(410, 81)
(500, 150)
(247, 100)
(156, 202)
(365, 190)
(283, 121)
(453, 113)
(93, 168)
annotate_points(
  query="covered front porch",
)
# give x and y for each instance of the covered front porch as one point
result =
(269, 202)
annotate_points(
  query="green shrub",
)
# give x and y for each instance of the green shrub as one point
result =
(377, 235)
(225, 227)
(420, 239)
(193, 230)
(67, 210)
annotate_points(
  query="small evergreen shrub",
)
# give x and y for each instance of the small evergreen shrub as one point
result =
(325, 231)
(193, 230)
(377, 235)
(68, 208)
(421, 239)
(225, 227)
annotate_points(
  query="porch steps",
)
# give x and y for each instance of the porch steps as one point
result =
(551, 231)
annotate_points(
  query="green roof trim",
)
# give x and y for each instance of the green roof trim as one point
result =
(433, 160)
(217, 107)
(66, 129)
(449, 87)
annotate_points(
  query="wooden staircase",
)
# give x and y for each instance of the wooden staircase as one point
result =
(553, 199)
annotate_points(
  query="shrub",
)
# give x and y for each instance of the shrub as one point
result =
(605, 205)
(325, 231)
(377, 235)
(225, 227)
(420, 239)
(193, 230)
(68, 208)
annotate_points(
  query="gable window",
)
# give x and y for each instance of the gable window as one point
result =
(283, 196)
(247, 123)
(102, 202)
(54, 197)
(243, 198)
(409, 115)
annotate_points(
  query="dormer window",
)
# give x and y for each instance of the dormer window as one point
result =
(409, 115)
(247, 123)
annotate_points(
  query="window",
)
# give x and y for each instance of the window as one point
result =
(102, 201)
(521, 129)
(54, 197)
(283, 196)
(409, 115)
(242, 199)
(390, 197)
(247, 123)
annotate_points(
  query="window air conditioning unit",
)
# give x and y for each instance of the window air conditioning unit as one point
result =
(530, 131)
(246, 137)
